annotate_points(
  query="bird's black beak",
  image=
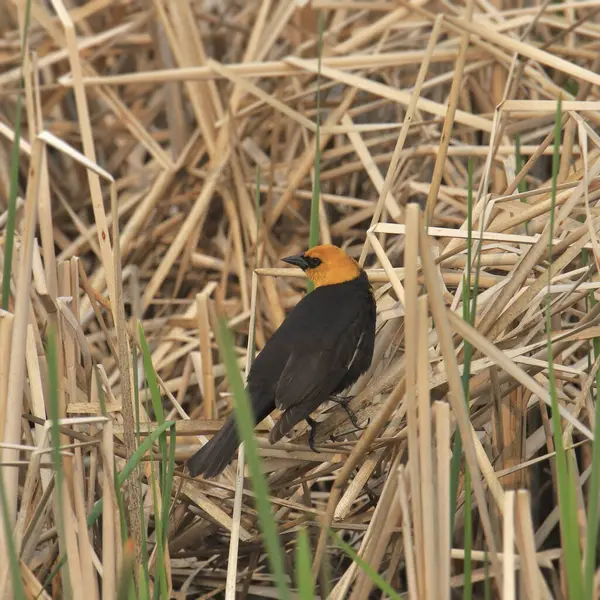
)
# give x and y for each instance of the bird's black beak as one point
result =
(298, 260)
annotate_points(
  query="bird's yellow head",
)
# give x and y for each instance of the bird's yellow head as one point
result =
(326, 265)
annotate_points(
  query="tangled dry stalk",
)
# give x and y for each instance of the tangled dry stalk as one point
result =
(149, 130)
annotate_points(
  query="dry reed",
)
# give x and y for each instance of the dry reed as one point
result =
(147, 130)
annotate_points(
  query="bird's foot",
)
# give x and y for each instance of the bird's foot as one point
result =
(311, 436)
(342, 399)
(335, 438)
(343, 402)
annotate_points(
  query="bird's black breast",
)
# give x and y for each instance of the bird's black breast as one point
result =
(330, 335)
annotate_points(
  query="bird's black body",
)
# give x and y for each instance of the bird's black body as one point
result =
(320, 349)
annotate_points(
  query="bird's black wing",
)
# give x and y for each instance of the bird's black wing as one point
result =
(307, 376)
(311, 375)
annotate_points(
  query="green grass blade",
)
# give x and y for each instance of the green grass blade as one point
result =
(137, 456)
(53, 573)
(151, 377)
(54, 413)
(12, 209)
(566, 490)
(304, 581)
(123, 475)
(468, 589)
(468, 532)
(144, 575)
(15, 571)
(162, 479)
(591, 542)
(167, 486)
(455, 463)
(122, 510)
(13, 560)
(252, 348)
(160, 590)
(9, 242)
(313, 235)
(136, 394)
(469, 317)
(166, 469)
(132, 463)
(257, 205)
(244, 419)
(156, 397)
(375, 577)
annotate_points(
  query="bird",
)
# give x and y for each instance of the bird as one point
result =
(320, 349)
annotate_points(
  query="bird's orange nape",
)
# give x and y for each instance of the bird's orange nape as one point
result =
(336, 266)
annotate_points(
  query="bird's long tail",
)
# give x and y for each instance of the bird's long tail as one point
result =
(215, 455)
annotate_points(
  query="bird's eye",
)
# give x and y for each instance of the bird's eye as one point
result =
(312, 262)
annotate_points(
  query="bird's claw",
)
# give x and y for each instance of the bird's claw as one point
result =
(343, 402)
(311, 436)
(334, 438)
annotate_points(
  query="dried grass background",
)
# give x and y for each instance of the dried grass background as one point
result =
(147, 129)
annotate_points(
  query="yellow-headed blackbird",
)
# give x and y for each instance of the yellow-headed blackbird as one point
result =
(320, 349)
